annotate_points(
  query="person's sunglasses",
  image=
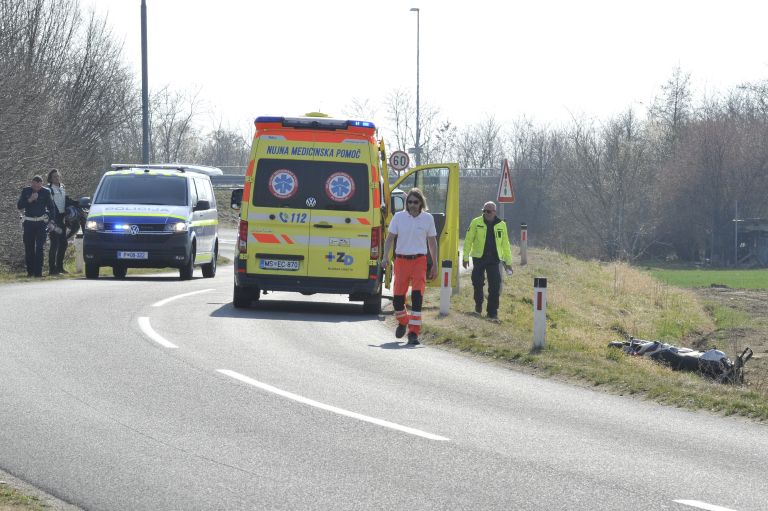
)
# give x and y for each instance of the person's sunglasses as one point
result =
(414, 202)
(489, 211)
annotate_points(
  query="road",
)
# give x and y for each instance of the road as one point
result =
(154, 393)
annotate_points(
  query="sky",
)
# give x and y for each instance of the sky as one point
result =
(544, 60)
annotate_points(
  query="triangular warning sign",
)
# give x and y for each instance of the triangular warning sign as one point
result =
(506, 190)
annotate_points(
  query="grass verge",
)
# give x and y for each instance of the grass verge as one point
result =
(589, 305)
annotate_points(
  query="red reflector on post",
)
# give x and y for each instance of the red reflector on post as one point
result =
(538, 300)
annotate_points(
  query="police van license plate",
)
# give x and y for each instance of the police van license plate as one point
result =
(278, 264)
(132, 255)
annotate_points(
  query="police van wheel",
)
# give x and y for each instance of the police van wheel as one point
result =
(241, 297)
(209, 269)
(91, 271)
(372, 305)
(119, 272)
(186, 271)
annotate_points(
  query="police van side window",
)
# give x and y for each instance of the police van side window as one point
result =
(193, 195)
(305, 184)
(203, 191)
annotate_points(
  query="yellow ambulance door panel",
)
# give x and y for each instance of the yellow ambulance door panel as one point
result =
(440, 185)
(278, 218)
(340, 220)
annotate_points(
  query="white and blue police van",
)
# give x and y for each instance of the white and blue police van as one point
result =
(153, 216)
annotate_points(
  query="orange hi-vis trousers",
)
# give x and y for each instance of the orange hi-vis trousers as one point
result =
(409, 273)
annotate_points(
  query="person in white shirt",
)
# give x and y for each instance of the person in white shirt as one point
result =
(416, 236)
(57, 231)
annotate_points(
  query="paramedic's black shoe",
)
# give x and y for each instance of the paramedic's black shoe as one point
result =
(413, 339)
(493, 315)
(400, 330)
(479, 308)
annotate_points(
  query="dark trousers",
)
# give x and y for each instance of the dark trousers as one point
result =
(34, 243)
(481, 268)
(58, 247)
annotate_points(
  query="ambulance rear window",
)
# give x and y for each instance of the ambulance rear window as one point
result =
(304, 184)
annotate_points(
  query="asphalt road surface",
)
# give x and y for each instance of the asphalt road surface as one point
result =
(152, 393)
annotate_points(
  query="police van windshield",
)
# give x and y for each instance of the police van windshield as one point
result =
(142, 189)
(311, 184)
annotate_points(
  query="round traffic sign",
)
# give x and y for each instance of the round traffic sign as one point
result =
(399, 160)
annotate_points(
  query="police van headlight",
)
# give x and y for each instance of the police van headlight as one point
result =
(93, 225)
(177, 227)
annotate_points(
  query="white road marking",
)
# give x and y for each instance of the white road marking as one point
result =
(702, 505)
(172, 298)
(340, 411)
(147, 329)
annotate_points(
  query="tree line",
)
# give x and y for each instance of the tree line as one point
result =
(665, 184)
(68, 100)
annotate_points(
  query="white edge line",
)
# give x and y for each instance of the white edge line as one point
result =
(163, 302)
(340, 411)
(149, 332)
(702, 505)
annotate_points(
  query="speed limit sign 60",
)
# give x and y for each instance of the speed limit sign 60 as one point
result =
(399, 160)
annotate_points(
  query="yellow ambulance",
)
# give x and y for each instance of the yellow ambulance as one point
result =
(315, 208)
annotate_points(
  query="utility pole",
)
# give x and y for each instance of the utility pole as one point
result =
(144, 87)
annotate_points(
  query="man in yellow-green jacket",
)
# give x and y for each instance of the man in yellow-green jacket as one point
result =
(487, 243)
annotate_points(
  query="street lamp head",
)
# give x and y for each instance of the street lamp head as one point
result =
(415, 9)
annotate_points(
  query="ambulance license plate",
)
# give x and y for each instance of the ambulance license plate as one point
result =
(132, 255)
(279, 264)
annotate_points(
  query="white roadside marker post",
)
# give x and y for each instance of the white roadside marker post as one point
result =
(445, 287)
(539, 312)
(523, 244)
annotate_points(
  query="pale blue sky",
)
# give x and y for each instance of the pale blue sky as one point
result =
(545, 59)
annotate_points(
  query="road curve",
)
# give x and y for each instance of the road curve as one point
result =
(306, 403)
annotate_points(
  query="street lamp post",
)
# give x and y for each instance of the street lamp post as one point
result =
(417, 149)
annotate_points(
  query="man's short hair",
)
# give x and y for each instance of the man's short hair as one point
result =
(490, 205)
(38, 178)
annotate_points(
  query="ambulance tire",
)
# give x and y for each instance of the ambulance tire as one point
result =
(241, 297)
(119, 271)
(209, 269)
(91, 271)
(372, 305)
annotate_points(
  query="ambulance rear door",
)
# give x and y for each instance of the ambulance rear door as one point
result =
(340, 215)
(279, 217)
(440, 185)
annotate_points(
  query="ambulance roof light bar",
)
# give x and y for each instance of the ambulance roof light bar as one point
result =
(316, 123)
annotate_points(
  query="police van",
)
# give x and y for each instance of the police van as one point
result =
(315, 208)
(153, 216)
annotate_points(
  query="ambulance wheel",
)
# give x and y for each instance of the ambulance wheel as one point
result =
(241, 297)
(119, 271)
(209, 269)
(186, 271)
(372, 305)
(91, 271)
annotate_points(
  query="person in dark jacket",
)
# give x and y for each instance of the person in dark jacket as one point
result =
(487, 242)
(58, 232)
(35, 201)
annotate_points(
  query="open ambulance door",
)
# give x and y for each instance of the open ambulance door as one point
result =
(440, 184)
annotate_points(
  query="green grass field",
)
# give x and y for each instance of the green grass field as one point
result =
(736, 279)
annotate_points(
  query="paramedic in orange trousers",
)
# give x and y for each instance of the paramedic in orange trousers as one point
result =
(415, 231)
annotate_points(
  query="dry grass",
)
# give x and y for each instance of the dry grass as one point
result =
(589, 305)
